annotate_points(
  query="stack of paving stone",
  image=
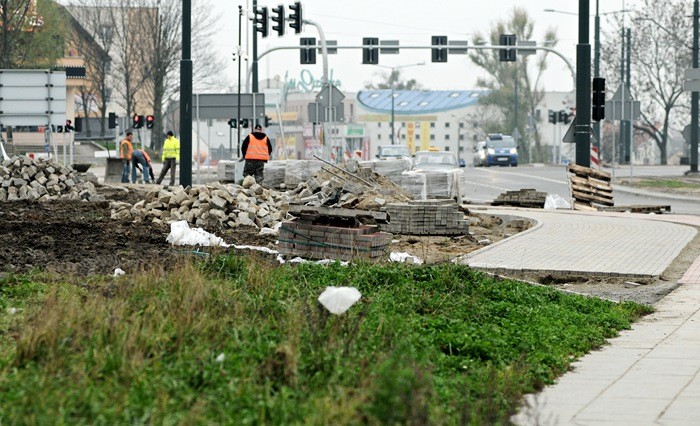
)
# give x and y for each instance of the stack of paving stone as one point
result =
(426, 217)
(24, 178)
(521, 198)
(392, 168)
(215, 206)
(589, 186)
(306, 239)
(300, 171)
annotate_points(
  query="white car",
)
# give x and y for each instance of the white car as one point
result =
(435, 160)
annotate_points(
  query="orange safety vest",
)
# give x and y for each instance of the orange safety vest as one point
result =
(257, 149)
(125, 149)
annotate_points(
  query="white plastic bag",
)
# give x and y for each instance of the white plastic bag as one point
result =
(554, 201)
(181, 234)
(339, 299)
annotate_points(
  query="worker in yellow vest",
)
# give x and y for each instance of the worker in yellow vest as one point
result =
(256, 150)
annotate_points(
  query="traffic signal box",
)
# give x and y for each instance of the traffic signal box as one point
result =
(260, 21)
(438, 55)
(370, 55)
(277, 16)
(307, 54)
(295, 17)
(507, 55)
(598, 104)
(150, 120)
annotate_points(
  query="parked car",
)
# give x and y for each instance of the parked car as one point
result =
(435, 160)
(393, 151)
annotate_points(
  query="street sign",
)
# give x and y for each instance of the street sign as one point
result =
(686, 133)
(570, 136)
(32, 98)
(691, 74)
(330, 46)
(394, 49)
(691, 85)
(221, 106)
(522, 47)
(617, 97)
(330, 96)
(613, 110)
(458, 47)
(320, 114)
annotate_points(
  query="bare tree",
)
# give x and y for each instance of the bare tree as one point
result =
(503, 75)
(393, 79)
(661, 33)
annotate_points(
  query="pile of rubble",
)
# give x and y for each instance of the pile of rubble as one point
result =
(349, 185)
(24, 178)
(214, 206)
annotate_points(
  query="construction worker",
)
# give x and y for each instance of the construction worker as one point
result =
(256, 150)
(141, 158)
(171, 155)
(126, 150)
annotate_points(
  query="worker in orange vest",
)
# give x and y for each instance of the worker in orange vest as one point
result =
(256, 150)
(126, 150)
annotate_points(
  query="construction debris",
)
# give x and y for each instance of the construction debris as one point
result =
(426, 217)
(589, 187)
(24, 178)
(660, 209)
(214, 206)
(521, 198)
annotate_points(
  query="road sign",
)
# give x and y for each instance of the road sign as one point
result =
(330, 96)
(692, 80)
(617, 97)
(221, 106)
(570, 136)
(320, 114)
(389, 46)
(523, 47)
(330, 46)
(686, 133)
(613, 110)
(458, 47)
(32, 97)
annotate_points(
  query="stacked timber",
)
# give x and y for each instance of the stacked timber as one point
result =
(521, 198)
(589, 187)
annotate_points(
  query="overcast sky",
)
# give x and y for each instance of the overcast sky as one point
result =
(412, 22)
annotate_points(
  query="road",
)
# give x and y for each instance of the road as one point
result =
(486, 183)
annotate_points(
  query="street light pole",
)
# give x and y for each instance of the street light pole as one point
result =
(596, 68)
(393, 87)
(583, 87)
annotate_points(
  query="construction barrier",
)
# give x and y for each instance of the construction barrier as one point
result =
(595, 158)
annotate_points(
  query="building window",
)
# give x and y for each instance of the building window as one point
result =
(447, 124)
(432, 124)
(403, 136)
(447, 148)
(460, 149)
(461, 137)
(403, 124)
(423, 103)
(461, 124)
(447, 137)
(432, 137)
(379, 125)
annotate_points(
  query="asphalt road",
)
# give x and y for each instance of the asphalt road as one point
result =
(486, 183)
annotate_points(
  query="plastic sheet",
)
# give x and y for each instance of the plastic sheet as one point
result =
(339, 299)
(554, 201)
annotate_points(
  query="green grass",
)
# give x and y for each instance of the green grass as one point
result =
(437, 344)
(668, 183)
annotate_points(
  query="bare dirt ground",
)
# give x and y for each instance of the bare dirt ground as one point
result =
(80, 238)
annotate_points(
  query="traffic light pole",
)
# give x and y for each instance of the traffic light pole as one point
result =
(186, 96)
(324, 51)
(583, 88)
(694, 98)
(255, 52)
(240, 59)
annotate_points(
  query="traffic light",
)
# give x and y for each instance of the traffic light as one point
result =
(277, 15)
(260, 20)
(244, 123)
(295, 18)
(370, 55)
(78, 125)
(307, 54)
(598, 103)
(439, 55)
(112, 120)
(267, 121)
(507, 55)
(137, 122)
(232, 123)
(553, 117)
(150, 120)
(564, 117)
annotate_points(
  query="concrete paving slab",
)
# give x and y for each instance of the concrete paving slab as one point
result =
(585, 244)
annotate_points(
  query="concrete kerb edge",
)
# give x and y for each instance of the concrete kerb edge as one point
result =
(538, 224)
(631, 190)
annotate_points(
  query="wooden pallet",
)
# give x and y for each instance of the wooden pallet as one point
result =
(589, 187)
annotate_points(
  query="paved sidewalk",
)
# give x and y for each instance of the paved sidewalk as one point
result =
(649, 375)
(585, 244)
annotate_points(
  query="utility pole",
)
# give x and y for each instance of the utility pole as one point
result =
(694, 98)
(186, 96)
(255, 51)
(583, 87)
(240, 59)
(596, 68)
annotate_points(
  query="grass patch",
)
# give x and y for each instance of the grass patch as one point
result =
(666, 183)
(433, 344)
